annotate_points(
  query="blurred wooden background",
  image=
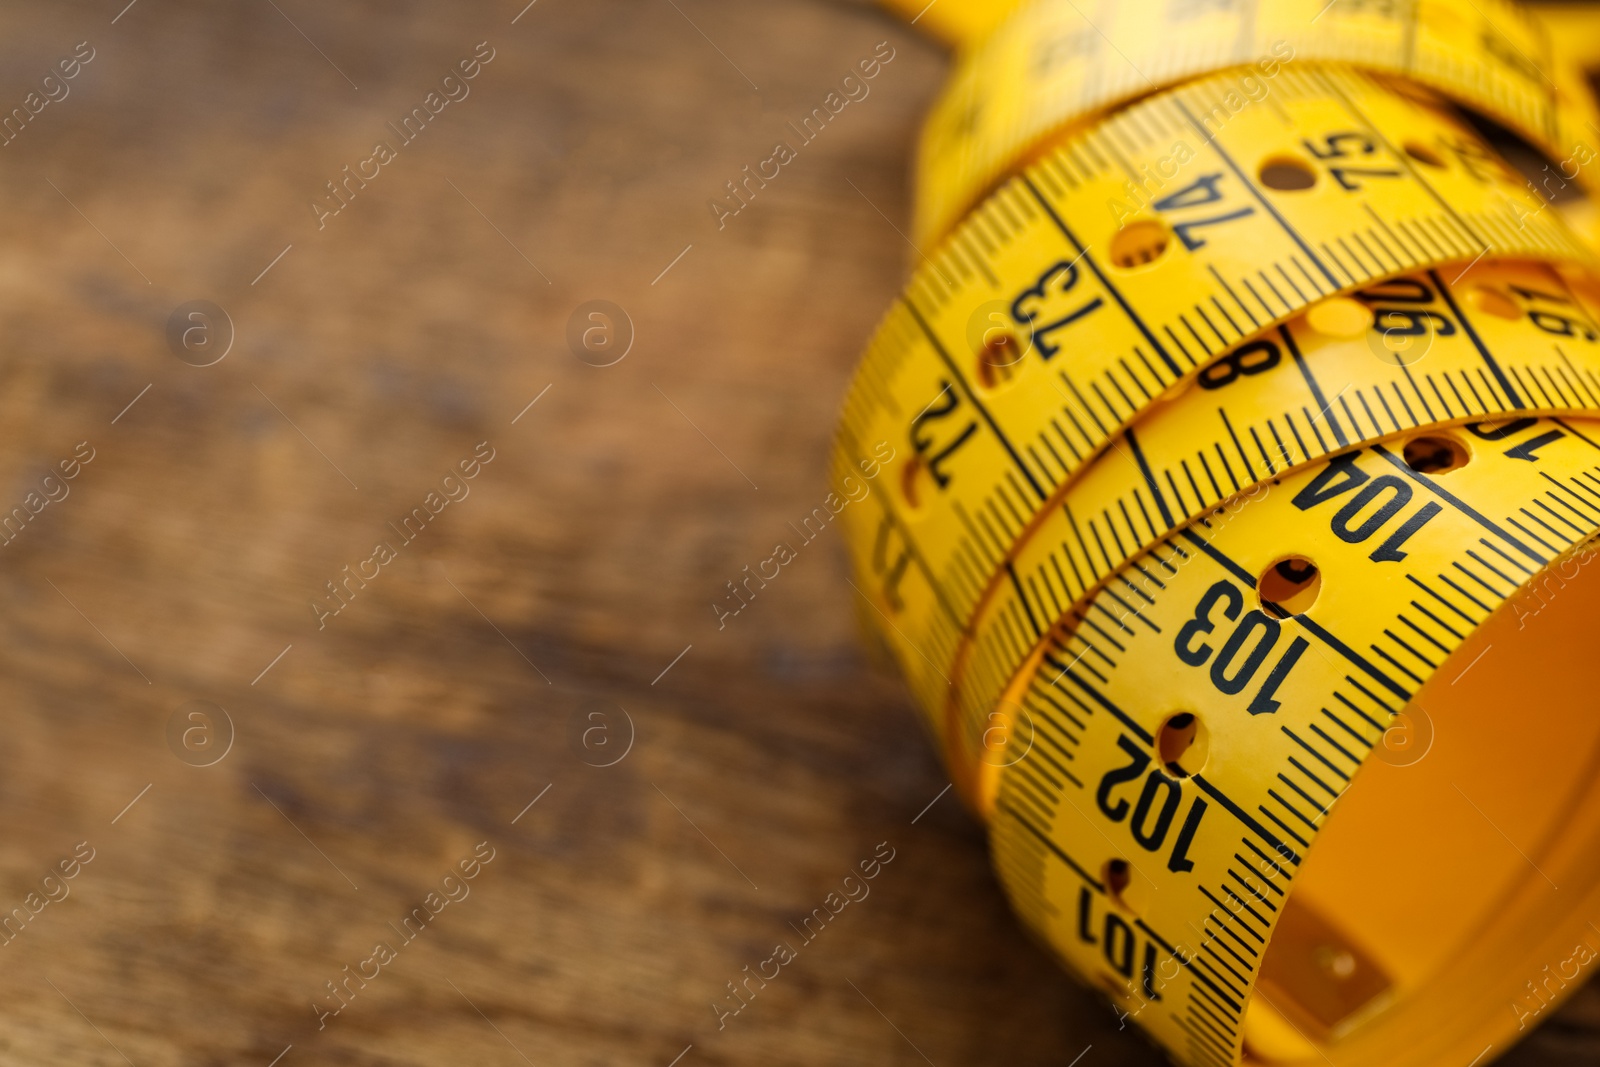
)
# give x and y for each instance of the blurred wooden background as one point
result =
(455, 687)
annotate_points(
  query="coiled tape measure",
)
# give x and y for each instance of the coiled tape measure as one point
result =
(1247, 414)
(1053, 64)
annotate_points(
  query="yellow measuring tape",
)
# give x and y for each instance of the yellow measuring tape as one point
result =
(1248, 436)
(1055, 63)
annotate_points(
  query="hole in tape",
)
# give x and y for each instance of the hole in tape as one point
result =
(999, 360)
(1001, 348)
(1117, 875)
(1436, 453)
(1339, 316)
(1289, 586)
(1423, 154)
(1491, 301)
(1183, 744)
(913, 482)
(1287, 174)
(1139, 243)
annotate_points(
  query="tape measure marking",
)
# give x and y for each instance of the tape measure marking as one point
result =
(1051, 66)
(996, 654)
(1353, 404)
(1005, 249)
(1465, 561)
(1193, 700)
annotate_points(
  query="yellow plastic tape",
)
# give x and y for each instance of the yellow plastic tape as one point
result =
(1060, 260)
(1507, 340)
(1057, 62)
(1165, 809)
(1248, 442)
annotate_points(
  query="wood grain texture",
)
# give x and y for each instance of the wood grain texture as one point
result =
(453, 688)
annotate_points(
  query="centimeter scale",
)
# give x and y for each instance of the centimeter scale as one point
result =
(1246, 408)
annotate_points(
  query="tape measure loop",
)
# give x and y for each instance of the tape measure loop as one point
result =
(1230, 435)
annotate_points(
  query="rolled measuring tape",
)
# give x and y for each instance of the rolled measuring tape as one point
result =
(1054, 63)
(1246, 476)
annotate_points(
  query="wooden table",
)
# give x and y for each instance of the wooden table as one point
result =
(557, 608)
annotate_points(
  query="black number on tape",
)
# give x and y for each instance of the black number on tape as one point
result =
(1253, 358)
(1202, 190)
(1227, 676)
(1118, 942)
(1526, 450)
(1405, 321)
(1390, 493)
(1334, 147)
(947, 403)
(891, 571)
(1551, 321)
(1029, 305)
(1158, 787)
(1481, 165)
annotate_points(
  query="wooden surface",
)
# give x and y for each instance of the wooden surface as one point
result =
(454, 688)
